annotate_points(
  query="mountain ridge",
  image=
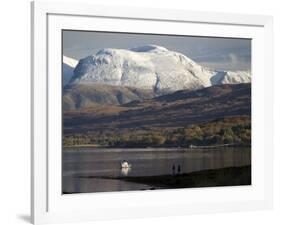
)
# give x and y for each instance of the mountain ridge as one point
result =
(151, 67)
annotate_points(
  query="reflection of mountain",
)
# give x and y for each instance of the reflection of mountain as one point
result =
(178, 109)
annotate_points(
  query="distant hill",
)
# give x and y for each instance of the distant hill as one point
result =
(77, 96)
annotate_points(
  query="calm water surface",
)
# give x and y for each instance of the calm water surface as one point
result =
(96, 169)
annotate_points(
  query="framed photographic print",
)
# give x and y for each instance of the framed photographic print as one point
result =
(147, 112)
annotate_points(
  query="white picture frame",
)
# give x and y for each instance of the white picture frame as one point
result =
(47, 203)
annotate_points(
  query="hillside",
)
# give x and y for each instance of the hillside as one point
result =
(165, 113)
(69, 65)
(78, 96)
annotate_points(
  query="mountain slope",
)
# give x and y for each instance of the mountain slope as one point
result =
(150, 67)
(69, 65)
(85, 95)
(178, 109)
(231, 77)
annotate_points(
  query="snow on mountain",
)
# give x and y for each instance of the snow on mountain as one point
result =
(231, 77)
(68, 67)
(150, 67)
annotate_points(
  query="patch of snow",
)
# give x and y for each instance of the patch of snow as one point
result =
(70, 61)
(68, 67)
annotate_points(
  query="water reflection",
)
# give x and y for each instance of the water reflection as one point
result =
(125, 171)
(176, 169)
(96, 170)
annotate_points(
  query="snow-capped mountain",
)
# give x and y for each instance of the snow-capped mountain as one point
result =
(231, 77)
(150, 67)
(68, 67)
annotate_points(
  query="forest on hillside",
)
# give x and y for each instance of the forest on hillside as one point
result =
(233, 130)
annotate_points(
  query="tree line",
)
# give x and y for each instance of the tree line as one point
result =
(221, 131)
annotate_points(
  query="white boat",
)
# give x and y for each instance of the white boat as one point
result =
(125, 164)
(125, 171)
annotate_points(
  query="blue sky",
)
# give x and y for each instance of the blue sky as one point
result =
(216, 53)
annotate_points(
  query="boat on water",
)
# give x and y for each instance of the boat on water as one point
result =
(125, 164)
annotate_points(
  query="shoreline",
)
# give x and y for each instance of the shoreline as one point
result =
(158, 147)
(229, 176)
